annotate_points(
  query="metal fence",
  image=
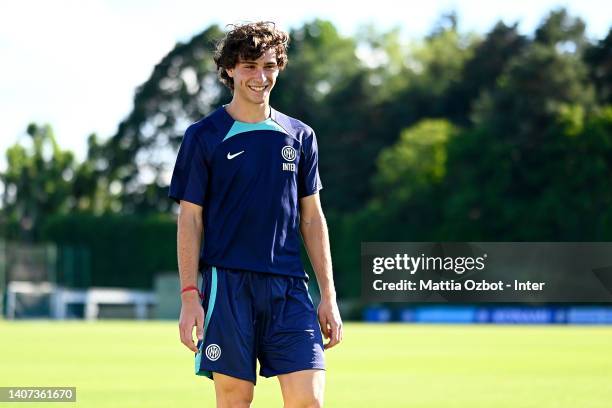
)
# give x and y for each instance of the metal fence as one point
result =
(63, 265)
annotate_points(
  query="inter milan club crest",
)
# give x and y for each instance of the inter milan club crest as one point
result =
(289, 153)
(213, 352)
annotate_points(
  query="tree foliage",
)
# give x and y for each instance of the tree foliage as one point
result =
(36, 184)
(456, 136)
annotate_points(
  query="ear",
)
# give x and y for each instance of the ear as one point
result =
(230, 72)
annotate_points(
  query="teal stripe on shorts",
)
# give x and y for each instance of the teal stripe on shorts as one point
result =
(209, 311)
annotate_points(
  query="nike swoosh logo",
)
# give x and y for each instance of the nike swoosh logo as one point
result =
(231, 156)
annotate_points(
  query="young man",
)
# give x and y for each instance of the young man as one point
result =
(247, 181)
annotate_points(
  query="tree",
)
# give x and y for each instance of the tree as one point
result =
(534, 88)
(598, 57)
(37, 183)
(407, 185)
(320, 61)
(509, 178)
(562, 31)
(481, 71)
(181, 89)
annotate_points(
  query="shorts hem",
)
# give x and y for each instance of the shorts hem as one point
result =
(231, 374)
(268, 374)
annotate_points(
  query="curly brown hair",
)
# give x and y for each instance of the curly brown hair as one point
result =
(249, 42)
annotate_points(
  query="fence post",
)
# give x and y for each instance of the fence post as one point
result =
(51, 260)
(2, 275)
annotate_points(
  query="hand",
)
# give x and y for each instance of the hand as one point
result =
(330, 321)
(192, 314)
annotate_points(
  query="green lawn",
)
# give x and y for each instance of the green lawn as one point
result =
(133, 364)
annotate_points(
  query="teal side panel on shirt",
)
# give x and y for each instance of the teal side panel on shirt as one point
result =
(209, 311)
(242, 127)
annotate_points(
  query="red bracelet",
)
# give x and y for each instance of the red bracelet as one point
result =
(188, 288)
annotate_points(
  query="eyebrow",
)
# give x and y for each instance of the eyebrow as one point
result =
(255, 62)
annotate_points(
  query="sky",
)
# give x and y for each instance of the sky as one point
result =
(76, 64)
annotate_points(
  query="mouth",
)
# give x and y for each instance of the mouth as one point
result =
(257, 88)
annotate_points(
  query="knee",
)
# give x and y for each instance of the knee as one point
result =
(312, 401)
(315, 403)
(233, 395)
(239, 404)
(235, 400)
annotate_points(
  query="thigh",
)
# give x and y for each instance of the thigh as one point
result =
(232, 392)
(303, 388)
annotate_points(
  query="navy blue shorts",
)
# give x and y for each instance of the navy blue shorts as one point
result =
(257, 316)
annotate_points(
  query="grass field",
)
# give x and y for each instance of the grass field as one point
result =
(142, 364)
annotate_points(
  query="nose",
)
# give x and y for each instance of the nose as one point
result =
(261, 75)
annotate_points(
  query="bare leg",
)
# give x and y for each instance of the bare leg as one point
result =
(232, 392)
(303, 389)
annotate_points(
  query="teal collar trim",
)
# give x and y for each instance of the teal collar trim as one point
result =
(243, 127)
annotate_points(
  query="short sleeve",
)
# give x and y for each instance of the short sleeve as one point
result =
(190, 175)
(309, 181)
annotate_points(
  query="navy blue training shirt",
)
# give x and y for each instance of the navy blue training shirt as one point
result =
(249, 178)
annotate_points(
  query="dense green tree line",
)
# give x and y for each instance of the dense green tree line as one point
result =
(458, 136)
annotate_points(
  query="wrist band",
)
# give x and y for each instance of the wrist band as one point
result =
(188, 288)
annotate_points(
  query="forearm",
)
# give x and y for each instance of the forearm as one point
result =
(316, 240)
(189, 237)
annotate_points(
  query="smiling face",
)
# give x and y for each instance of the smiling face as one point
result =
(253, 80)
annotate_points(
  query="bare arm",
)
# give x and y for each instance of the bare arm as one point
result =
(189, 239)
(316, 239)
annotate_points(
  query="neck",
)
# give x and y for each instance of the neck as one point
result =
(251, 113)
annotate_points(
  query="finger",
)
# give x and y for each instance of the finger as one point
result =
(190, 343)
(334, 335)
(328, 345)
(183, 334)
(187, 337)
(200, 327)
(328, 330)
(329, 336)
(323, 325)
